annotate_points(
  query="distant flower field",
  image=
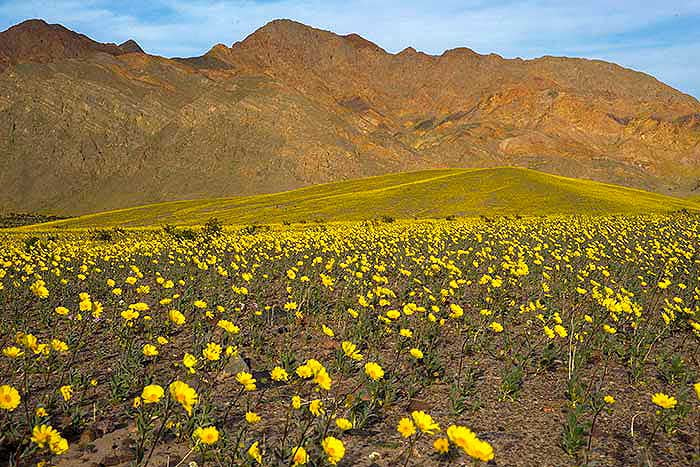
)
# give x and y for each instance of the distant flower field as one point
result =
(557, 341)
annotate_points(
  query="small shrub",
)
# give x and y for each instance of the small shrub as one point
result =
(107, 235)
(31, 243)
(254, 229)
(182, 234)
(213, 227)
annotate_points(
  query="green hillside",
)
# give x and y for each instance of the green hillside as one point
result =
(429, 193)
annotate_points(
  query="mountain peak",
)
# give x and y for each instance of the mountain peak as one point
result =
(361, 43)
(35, 40)
(285, 23)
(36, 28)
(217, 49)
(131, 46)
(284, 30)
(274, 32)
(412, 52)
(293, 43)
(33, 23)
(281, 26)
(460, 52)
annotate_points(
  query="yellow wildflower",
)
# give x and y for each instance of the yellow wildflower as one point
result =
(66, 392)
(343, 423)
(184, 394)
(279, 374)
(334, 449)
(208, 435)
(252, 418)
(664, 401)
(247, 380)
(374, 371)
(254, 452)
(406, 427)
(299, 456)
(424, 422)
(9, 398)
(441, 445)
(152, 394)
(150, 350)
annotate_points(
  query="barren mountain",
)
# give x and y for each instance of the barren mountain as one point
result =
(87, 126)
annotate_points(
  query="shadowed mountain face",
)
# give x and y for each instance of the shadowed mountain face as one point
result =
(86, 126)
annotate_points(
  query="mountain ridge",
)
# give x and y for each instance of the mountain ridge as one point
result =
(89, 126)
(35, 40)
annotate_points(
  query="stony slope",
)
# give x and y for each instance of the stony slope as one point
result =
(86, 126)
(423, 194)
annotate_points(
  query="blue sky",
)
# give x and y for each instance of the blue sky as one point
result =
(658, 37)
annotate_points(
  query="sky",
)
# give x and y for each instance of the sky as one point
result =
(661, 38)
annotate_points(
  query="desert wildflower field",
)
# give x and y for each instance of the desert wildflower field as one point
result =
(566, 340)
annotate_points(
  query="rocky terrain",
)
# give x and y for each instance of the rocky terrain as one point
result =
(86, 126)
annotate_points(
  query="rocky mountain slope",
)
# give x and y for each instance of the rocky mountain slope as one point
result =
(86, 126)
